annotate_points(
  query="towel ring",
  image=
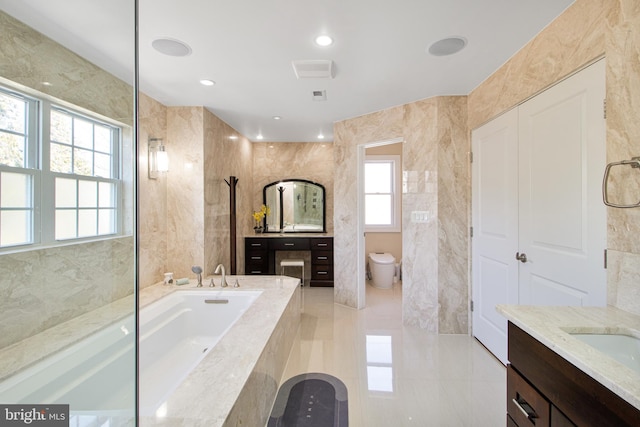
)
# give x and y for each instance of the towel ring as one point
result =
(635, 163)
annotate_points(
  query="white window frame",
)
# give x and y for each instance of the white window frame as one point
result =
(396, 195)
(43, 179)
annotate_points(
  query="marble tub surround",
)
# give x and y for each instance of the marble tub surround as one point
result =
(552, 326)
(247, 362)
(245, 365)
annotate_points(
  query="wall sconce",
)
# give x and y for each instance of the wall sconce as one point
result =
(158, 160)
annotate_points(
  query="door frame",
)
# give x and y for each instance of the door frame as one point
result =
(360, 244)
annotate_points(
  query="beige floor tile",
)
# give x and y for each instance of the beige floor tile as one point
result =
(397, 375)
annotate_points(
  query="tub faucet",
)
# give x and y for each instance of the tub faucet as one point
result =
(223, 284)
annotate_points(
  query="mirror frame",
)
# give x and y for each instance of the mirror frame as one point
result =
(294, 180)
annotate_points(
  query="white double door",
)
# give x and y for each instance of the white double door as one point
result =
(539, 223)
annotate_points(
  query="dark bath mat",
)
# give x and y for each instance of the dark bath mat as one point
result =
(311, 400)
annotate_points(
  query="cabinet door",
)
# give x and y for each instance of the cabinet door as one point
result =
(562, 219)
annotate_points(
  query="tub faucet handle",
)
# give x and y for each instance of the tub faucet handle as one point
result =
(236, 284)
(211, 284)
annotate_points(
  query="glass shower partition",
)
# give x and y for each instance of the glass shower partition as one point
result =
(68, 212)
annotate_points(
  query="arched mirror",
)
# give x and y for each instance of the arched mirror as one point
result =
(295, 205)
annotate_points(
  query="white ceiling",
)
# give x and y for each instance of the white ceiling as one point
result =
(247, 46)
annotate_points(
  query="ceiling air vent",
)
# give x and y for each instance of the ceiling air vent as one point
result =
(313, 69)
(319, 95)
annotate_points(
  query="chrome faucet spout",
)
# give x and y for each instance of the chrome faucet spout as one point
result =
(223, 283)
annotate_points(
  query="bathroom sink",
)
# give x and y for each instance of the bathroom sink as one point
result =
(623, 348)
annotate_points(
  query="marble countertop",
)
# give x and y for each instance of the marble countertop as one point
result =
(552, 327)
(290, 234)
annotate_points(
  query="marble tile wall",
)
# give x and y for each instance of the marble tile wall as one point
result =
(152, 196)
(45, 287)
(435, 293)
(273, 161)
(185, 190)
(454, 199)
(584, 32)
(226, 157)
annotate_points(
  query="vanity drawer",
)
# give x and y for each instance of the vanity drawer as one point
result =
(290, 244)
(322, 272)
(321, 244)
(256, 243)
(322, 257)
(525, 404)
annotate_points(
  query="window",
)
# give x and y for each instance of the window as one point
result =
(382, 193)
(59, 175)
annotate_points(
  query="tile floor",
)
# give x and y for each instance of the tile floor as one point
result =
(397, 375)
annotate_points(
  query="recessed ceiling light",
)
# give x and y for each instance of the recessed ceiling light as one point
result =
(207, 82)
(447, 46)
(277, 117)
(47, 84)
(259, 136)
(171, 47)
(324, 40)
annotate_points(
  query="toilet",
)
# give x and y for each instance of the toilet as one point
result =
(383, 267)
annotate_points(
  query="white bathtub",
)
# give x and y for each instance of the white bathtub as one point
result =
(177, 332)
(96, 375)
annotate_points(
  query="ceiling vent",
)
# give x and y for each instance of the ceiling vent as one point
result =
(319, 95)
(313, 69)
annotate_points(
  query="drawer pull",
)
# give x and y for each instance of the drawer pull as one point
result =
(289, 244)
(256, 271)
(323, 272)
(322, 244)
(256, 257)
(525, 408)
(322, 257)
(256, 244)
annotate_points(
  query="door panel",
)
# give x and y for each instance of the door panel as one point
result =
(536, 190)
(562, 220)
(495, 228)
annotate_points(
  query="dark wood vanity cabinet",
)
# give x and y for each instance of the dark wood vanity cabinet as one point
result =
(256, 256)
(321, 261)
(260, 255)
(544, 389)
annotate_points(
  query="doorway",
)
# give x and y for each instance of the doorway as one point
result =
(361, 227)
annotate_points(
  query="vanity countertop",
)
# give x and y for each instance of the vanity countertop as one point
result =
(552, 327)
(289, 235)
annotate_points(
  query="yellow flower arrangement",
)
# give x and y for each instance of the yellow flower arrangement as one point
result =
(259, 215)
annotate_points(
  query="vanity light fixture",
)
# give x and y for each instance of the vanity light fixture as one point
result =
(233, 137)
(324, 40)
(158, 159)
(320, 136)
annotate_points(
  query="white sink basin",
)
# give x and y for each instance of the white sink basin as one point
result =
(623, 348)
